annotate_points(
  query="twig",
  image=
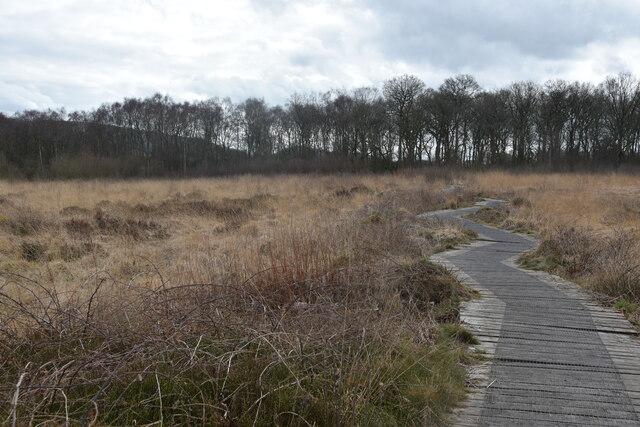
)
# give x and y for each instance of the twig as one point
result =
(66, 407)
(16, 395)
(195, 349)
(160, 399)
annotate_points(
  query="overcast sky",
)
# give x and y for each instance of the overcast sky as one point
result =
(80, 53)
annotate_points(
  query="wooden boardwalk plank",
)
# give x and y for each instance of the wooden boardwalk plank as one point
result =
(554, 355)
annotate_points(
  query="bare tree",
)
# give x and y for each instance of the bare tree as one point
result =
(402, 94)
(522, 104)
(622, 101)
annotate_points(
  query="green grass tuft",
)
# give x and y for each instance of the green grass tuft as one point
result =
(457, 333)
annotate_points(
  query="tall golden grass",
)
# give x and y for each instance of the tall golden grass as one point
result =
(290, 300)
(186, 226)
(599, 201)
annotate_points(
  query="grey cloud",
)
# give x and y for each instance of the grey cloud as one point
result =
(81, 54)
(457, 32)
(69, 51)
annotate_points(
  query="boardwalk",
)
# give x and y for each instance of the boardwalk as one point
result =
(555, 358)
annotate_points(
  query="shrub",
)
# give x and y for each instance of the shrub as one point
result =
(609, 264)
(72, 252)
(78, 227)
(426, 285)
(138, 229)
(24, 221)
(32, 251)
(617, 268)
(521, 202)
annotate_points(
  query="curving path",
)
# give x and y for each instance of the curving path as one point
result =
(555, 357)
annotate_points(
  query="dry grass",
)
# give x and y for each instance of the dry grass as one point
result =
(589, 225)
(600, 202)
(289, 300)
(184, 227)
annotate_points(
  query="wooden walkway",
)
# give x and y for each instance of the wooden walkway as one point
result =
(554, 356)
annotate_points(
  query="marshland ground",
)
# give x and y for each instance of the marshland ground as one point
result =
(290, 300)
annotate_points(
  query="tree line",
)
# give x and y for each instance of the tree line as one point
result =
(405, 123)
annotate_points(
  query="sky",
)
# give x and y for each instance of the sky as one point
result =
(78, 54)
